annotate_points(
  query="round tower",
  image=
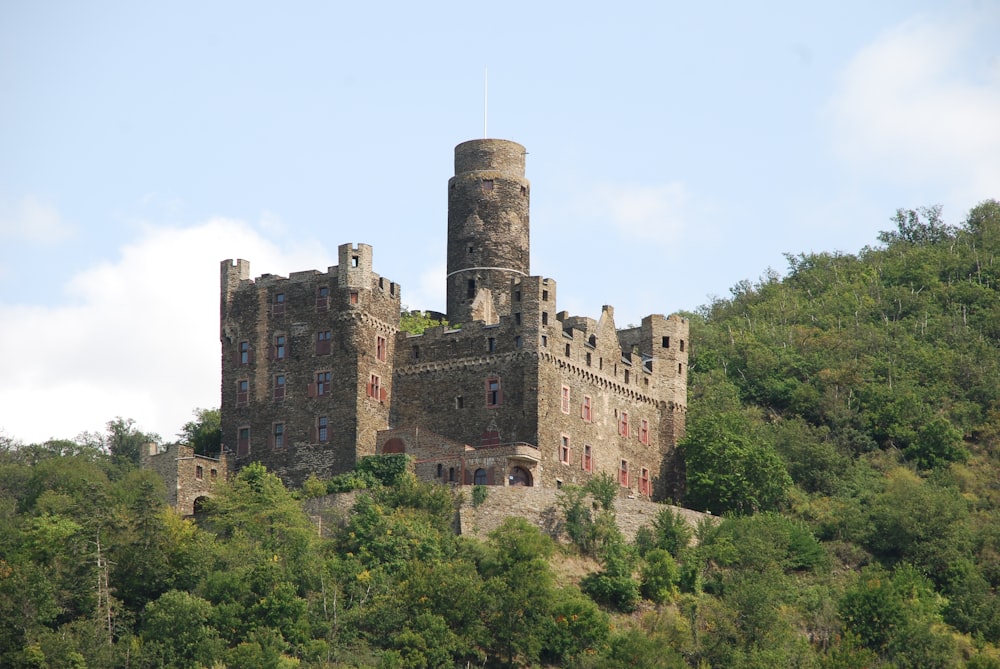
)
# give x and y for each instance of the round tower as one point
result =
(487, 228)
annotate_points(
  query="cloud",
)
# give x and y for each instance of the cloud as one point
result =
(920, 105)
(35, 221)
(647, 213)
(140, 337)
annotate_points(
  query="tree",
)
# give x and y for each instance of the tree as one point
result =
(730, 467)
(205, 432)
(125, 440)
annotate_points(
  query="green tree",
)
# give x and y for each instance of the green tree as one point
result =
(204, 433)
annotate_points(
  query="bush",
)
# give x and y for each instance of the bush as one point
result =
(479, 494)
(659, 576)
(387, 469)
(617, 592)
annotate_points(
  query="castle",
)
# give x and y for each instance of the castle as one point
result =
(316, 372)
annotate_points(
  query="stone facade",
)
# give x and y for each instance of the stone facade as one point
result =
(190, 478)
(316, 373)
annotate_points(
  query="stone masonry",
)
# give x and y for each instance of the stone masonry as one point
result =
(316, 373)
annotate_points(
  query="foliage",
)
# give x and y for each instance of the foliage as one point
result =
(479, 494)
(205, 432)
(415, 322)
(386, 469)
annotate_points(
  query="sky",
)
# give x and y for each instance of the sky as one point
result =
(674, 150)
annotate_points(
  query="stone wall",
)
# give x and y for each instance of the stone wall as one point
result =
(188, 477)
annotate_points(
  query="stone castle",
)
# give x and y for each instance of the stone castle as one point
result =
(316, 372)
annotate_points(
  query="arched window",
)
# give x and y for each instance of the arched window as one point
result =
(480, 477)
(394, 445)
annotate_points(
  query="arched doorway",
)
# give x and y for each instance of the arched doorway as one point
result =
(480, 477)
(199, 504)
(519, 476)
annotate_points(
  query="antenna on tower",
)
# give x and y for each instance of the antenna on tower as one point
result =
(486, 99)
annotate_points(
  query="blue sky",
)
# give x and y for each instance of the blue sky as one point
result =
(675, 149)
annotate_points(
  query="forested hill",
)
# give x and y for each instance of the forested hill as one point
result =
(844, 419)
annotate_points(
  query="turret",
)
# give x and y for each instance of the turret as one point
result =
(487, 227)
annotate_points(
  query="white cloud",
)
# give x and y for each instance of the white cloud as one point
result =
(141, 338)
(921, 105)
(35, 221)
(645, 213)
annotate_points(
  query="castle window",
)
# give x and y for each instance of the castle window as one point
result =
(587, 463)
(244, 353)
(322, 429)
(626, 376)
(380, 348)
(375, 389)
(480, 477)
(491, 344)
(545, 318)
(545, 341)
(279, 387)
(355, 261)
(588, 358)
(440, 470)
(517, 341)
(354, 297)
(517, 296)
(517, 318)
(280, 347)
(322, 384)
(567, 350)
(242, 392)
(585, 411)
(278, 308)
(451, 474)
(243, 441)
(545, 296)
(322, 298)
(472, 249)
(644, 481)
(493, 395)
(323, 340)
(623, 474)
(470, 290)
(565, 399)
(278, 438)
(459, 402)
(199, 472)
(666, 342)
(679, 368)
(644, 432)
(213, 473)
(600, 363)
(487, 185)
(564, 450)
(416, 353)
(592, 340)
(623, 424)
(682, 345)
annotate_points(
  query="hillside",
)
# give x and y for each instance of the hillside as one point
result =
(845, 418)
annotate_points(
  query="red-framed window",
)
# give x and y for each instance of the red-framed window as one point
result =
(564, 451)
(623, 423)
(278, 306)
(375, 389)
(279, 386)
(586, 410)
(242, 392)
(278, 435)
(280, 351)
(380, 348)
(623, 473)
(644, 432)
(644, 481)
(587, 462)
(243, 441)
(565, 399)
(494, 395)
(323, 339)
